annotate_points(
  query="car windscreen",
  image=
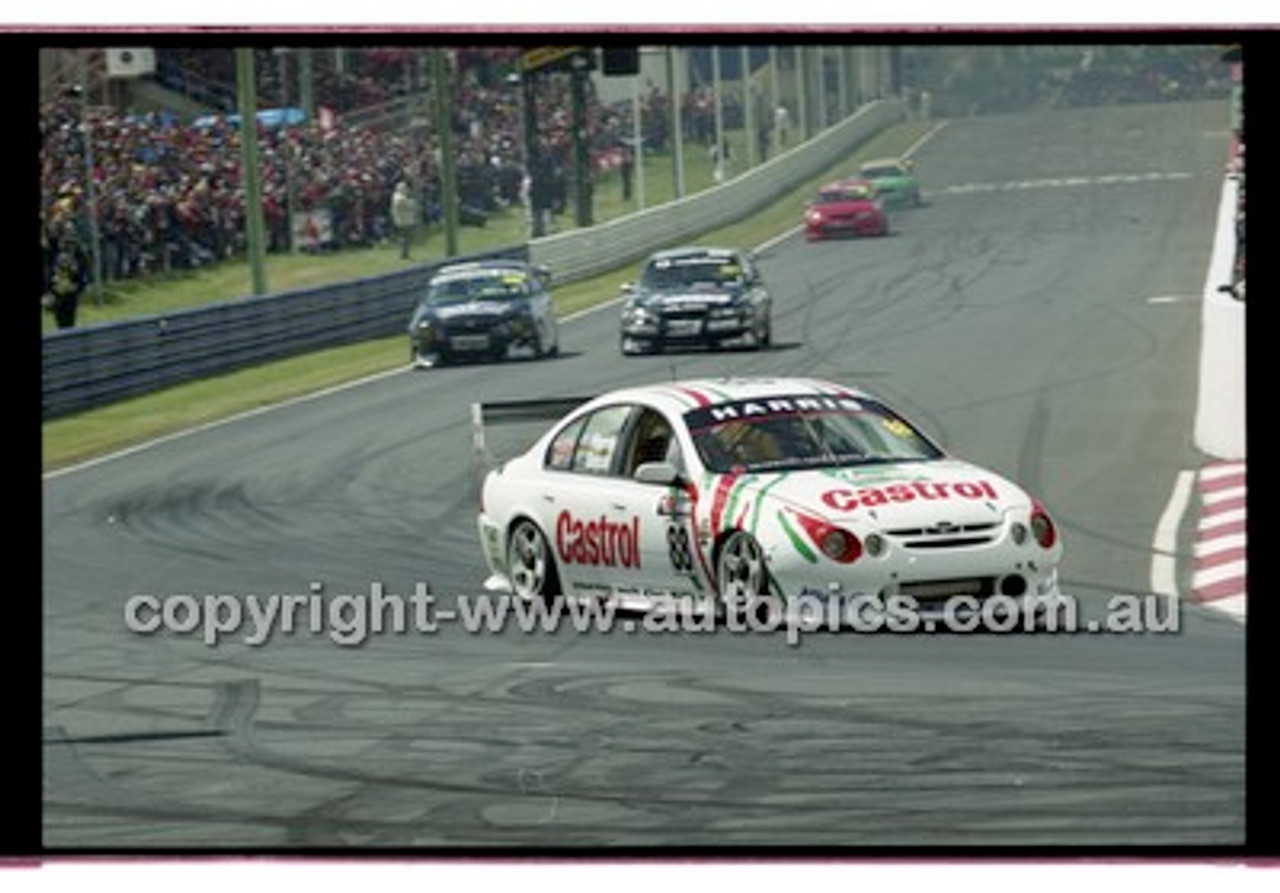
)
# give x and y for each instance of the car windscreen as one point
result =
(838, 196)
(788, 433)
(665, 275)
(877, 173)
(502, 286)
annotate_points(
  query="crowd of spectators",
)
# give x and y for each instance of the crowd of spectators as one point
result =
(169, 195)
(168, 190)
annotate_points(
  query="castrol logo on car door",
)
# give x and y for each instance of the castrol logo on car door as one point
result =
(601, 542)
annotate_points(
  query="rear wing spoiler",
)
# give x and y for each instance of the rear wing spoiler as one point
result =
(507, 412)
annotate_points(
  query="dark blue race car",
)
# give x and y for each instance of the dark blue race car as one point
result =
(696, 296)
(482, 310)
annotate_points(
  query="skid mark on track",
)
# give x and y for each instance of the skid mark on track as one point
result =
(554, 756)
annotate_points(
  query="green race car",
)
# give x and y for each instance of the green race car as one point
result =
(894, 179)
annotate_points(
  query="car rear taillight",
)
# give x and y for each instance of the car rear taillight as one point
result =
(836, 543)
(1042, 528)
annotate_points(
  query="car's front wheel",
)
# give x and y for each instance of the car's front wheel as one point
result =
(531, 567)
(546, 340)
(424, 358)
(632, 346)
(742, 583)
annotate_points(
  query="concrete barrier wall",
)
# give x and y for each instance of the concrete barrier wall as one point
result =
(580, 254)
(1220, 413)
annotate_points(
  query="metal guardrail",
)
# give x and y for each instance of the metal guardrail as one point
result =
(96, 365)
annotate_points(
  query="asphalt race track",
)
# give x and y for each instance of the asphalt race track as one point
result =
(1012, 316)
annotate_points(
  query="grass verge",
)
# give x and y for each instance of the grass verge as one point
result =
(96, 432)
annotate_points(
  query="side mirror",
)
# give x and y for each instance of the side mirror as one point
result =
(628, 288)
(663, 473)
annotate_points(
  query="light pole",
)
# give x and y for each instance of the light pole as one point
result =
(677, 125)
(748, 105)
(720, 170)
(290, 198)
(637, 141)
(90, 187)
(251, 178)
(774, 129)
(442, 93)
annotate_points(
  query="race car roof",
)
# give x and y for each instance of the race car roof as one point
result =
(485, 267)
(883, 162)
(850, 184)
(680, 396)
(693, 252)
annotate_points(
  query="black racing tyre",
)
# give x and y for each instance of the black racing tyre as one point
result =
(438, 358)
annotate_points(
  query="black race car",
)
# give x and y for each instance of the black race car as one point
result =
(482, 309)
(696, 296)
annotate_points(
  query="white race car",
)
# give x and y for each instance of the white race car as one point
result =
(723, 491)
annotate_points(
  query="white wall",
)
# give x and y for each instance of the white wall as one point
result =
(1220, 413)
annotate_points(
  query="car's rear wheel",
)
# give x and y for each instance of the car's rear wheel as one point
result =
(742, 582)
(531, 567)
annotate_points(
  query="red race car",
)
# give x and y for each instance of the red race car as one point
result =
(846, 208)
